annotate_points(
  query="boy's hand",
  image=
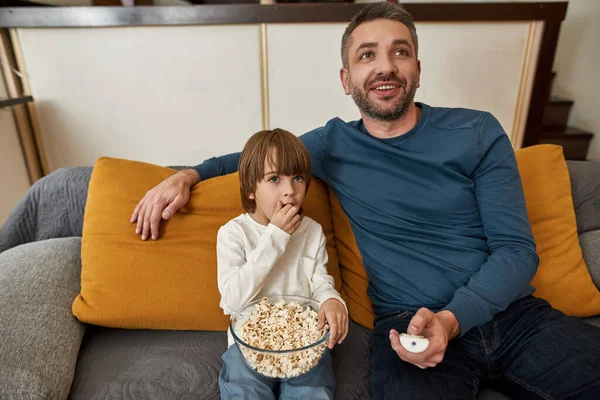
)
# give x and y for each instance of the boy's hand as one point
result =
(334, 312)
(286, 218)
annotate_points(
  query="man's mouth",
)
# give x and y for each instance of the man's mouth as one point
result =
(385, 87)
(386, 90)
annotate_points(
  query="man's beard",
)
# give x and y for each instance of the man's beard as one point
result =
(400, 108)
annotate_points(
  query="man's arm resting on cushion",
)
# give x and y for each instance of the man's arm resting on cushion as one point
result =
(228, 164)
(513, 260)
(166, 198)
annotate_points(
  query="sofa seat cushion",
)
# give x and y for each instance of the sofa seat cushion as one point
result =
(39, 337)
(153, 364)
(148, 364)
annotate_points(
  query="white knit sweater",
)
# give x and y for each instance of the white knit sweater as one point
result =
(256, 261)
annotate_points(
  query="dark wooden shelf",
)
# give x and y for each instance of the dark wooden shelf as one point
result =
(15, 101)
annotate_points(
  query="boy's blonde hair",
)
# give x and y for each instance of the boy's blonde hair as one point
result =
(282, 150)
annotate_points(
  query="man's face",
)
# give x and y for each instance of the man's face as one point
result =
(383, 71)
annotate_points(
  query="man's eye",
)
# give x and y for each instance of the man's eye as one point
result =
(299, 178)
(274, 179)
(368, 54)
(401, 52)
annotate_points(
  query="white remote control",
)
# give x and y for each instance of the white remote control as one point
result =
(414, 343)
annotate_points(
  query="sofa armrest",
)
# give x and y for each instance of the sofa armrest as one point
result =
(39, 336)
(590, 246)
(585, 188)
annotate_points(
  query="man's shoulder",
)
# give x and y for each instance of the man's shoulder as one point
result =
(456, 118)
(333, 126)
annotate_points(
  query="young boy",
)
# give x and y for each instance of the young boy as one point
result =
(274, 250)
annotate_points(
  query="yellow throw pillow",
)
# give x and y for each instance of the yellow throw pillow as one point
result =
(562, 278)
(170, 283)
(351, 265)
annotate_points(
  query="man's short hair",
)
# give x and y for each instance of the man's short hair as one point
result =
(283, 150)
(380, 10)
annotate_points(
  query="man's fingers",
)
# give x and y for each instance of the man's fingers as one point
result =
(419, 321)
(140, 219)
(155, 219)
(395, 340)
(178, 202)
(136, 211)
(146, 224)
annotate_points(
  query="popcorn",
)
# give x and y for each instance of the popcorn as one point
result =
(282, 326)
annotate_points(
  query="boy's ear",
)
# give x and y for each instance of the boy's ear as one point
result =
(251, 196)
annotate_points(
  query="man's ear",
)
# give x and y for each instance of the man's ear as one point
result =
(345, 77)
(251, 196)
(419, 72)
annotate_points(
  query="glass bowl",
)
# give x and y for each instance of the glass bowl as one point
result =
(279, 358)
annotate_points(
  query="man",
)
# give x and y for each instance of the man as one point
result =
(435, 201)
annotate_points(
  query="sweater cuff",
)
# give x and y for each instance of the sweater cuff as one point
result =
(332, 295)
(279, 238)
(206, 170)
(467, 311)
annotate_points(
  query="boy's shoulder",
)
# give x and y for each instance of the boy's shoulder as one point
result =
(234, 223)
(311, 225)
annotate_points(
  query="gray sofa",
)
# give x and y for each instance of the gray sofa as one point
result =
(45, 353)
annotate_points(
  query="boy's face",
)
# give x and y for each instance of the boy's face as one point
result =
(273, 188)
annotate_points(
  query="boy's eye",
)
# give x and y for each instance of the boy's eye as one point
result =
(299, 178)
(274, 179)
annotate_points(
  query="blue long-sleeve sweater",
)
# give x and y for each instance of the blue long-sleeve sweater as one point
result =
(438, 213)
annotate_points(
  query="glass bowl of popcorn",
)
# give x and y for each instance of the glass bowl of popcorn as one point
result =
(279, 336)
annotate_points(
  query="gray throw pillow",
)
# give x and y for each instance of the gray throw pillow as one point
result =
(39, 336)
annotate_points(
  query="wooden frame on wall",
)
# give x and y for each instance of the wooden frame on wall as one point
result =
(550, 14)
(22, 108)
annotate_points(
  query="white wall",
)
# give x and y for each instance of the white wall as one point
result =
(178, 95)
(14, 180)
(577, 64)
(450, 53)
(164, 95)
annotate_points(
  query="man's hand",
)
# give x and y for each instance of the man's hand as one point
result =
(286, 218)
(439, 328)
(334, 312)
(162, 202)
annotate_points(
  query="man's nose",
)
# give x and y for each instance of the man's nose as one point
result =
(386, 66)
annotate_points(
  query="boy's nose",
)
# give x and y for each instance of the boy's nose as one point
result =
(288, 189)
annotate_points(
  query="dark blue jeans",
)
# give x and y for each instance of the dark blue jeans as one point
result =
(529, 351)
